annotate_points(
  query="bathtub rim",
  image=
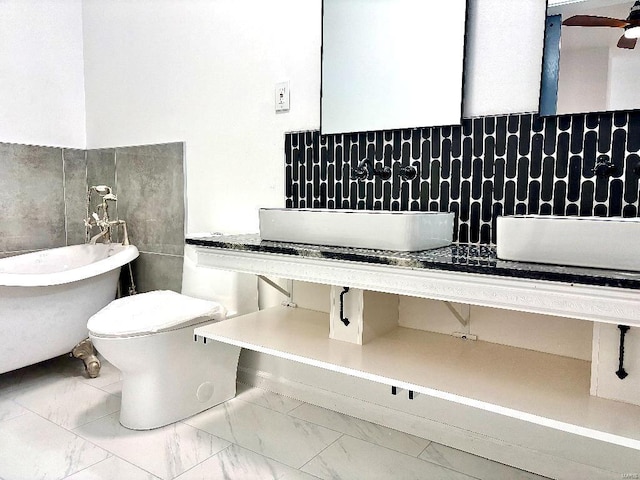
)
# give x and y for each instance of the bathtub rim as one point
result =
(126, 254)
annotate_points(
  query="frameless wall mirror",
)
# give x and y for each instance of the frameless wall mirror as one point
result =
(389, 64)
(594, 66)
(503, 56)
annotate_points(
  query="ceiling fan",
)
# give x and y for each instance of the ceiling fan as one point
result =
(631, 25)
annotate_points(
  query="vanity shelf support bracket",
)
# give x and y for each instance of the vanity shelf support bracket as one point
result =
(412, 394)
(273, 284)
(463, 321)
(394, 390)
(622, 373)
(343, 319)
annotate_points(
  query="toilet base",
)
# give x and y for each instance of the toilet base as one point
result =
(170, 377)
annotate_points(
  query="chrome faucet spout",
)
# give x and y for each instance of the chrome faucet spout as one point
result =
(95, 238)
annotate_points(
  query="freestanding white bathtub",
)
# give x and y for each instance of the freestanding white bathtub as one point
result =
(46, 298)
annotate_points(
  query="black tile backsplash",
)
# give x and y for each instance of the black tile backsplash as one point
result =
(484, 168)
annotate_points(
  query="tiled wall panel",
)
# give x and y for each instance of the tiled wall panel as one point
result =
(43, 193)
(481, 169)
(75, 194)
(150, 186)
(150, 183)
(32, 213)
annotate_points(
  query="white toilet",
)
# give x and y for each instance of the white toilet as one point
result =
(167, 374)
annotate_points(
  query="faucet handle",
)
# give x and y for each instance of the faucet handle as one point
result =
(408, 172)
(359, 173)
(385, 173)
(604, 167)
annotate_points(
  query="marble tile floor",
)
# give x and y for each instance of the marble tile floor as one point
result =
(57, 424)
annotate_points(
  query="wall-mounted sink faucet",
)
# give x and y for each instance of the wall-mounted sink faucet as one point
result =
(365, 170)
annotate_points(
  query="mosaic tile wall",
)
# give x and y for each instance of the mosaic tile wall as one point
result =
(481, 169)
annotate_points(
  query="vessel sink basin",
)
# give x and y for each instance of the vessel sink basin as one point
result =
(381, 230)
(598, 242)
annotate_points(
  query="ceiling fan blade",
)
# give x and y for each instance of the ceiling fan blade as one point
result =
(593, 21)
(625, 42)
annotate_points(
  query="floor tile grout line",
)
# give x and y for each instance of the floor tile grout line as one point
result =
(364, 439)
(320, 453)
(289, 413)
(71, 429)
(410, 456)
(286, 412)
(111, 454)
(234, 443)
(262, 453)
(429, 442)
(452, 468)
(206, 459)
(24, 412)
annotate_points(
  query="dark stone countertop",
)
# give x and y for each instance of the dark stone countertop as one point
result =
(458, 257)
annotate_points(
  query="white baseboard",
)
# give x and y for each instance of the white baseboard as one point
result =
(455, 437)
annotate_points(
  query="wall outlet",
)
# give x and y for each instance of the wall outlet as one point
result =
(282, 97)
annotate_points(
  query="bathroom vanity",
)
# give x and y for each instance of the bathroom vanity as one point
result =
(491, 393)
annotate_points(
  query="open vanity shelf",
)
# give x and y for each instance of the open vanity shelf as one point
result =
(543, 389)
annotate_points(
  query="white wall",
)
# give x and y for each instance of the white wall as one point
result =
(41, 73)
(578, 92)
(567, 337)
(204, 72)
(624, 71)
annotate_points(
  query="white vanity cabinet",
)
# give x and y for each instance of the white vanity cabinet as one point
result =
(537, 406)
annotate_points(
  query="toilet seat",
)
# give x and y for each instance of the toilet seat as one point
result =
(152, 312)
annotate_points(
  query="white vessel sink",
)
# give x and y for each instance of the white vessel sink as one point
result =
(598, 242)
(382, 230)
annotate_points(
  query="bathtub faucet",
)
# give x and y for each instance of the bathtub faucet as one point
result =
(107, 230)
(100, 219)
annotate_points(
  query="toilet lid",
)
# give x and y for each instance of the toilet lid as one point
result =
(152, 312)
